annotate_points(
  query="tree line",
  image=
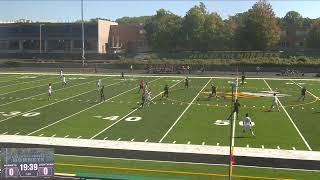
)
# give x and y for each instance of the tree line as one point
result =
(256, 29)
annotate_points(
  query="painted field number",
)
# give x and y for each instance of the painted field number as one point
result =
(16, 113)
(227, 122)
(111, 118)
(114, 118)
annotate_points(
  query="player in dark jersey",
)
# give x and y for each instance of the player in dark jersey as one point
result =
(186, 83)
(243, 77)
(213, 91)
(122, 75)
(102, 97)
(236, 108)
(165, 92)
(303, 94)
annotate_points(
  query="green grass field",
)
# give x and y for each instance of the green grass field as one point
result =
(172, 170)
(188, 116)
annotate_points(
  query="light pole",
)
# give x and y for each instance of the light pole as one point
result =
(82, 28)
(40, 34)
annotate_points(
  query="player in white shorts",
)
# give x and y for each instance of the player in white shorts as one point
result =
(64, 81)
(274, 102)
(99, 84)
(247, 124)
(49, 91)
(61, 73)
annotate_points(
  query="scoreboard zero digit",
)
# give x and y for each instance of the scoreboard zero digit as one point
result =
(27, 162)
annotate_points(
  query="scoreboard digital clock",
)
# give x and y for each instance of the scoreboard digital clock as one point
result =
(27, 162)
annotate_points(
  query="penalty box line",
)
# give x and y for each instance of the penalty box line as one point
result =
(84, 110)
(304, 140)
(164, 136)
(129, 114)
(57, 101)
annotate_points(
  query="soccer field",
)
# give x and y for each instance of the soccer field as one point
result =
(188, 116)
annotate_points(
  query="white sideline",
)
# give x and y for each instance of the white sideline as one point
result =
(164, 136)
(46, 92)
(127, 115)
(85, 109)
(57, 102)
(304, 140)
(162, 147)
(166, 76)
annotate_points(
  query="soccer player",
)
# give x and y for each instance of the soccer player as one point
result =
(247, 124)
(145, 88)
(186, 83)
(303, 93)
(131, 68)
(141, 85)
(122, 75)
(148, 98)
(165, 92)
(143, 98)
(49, 91)
(61, 73)
(274, 102)
(99, 84)
(243, 77)
(64, 81)
(213, 91)
(102, 97)
(236, 108)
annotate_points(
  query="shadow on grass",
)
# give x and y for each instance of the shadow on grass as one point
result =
(241, 137)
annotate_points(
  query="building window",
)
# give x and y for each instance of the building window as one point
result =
(13, 45)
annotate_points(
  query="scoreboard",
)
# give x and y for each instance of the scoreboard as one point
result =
(27, 162)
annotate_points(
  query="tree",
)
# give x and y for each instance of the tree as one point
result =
(307, 22)
(231, 25)
(293, 18)
(163, 30)
(258, 29)
(193, 28)
(313, 38)
(216, 32)
(130, 20)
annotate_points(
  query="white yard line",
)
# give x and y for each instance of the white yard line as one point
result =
(307, 90)
(235, 116)
(57, 102)
(85, 109)
(47, 92)
(26, 82)
(304, 140)
(128, 114)
(183, 112)
(25, 88)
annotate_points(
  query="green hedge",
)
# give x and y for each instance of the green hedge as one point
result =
(216, 55)
(243, 61)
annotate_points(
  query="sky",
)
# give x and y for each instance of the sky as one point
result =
(69, 10)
